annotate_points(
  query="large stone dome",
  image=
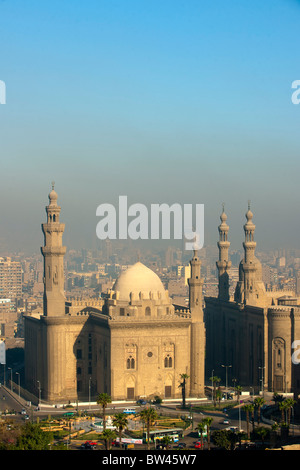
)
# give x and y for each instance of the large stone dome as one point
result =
(138, 278)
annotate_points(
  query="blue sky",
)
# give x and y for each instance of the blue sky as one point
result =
(162, 101)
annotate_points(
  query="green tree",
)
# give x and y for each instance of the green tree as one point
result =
(282, 407)
(258, 402)
(103, 399)
(120, 421)
(218, 396)
(184, 377)
(108, 435)
(262, 433)
(148, 416)
(214, 380)
(290, 403)
(208, 421)
(33, 438)
(248, 408)
(238, 391)
(201, 428)
(166, 441)
(221, 440)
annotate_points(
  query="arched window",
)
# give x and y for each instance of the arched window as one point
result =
(130, 363)
(168, 361)
(148, 311)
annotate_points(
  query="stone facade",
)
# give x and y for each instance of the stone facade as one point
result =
(135, 344)
(252, 333)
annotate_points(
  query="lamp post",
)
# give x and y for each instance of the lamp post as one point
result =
(39, 392)
(11, 387)
(226, 367)
(262, 380)
(90, 393)
(17, 373)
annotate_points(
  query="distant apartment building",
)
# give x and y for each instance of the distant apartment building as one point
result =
(10, 278)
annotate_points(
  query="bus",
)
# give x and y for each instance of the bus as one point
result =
(155, 436)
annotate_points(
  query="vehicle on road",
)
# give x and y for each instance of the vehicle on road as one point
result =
(91, 443)
(87, 446)
(180, 445)
(129, 411)
(141, 402)
(198, 445)
(225, 421)
(156, 436)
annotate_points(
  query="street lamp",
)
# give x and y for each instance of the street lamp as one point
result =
(226, 367)
(17, 373)
(90, 393)
(262, 380)
(39, 392)
(11, 387)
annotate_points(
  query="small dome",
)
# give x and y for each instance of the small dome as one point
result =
(53, 195)
(138, 278)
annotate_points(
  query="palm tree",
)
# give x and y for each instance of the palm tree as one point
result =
(238, 393)
(148, 415)
(103, 399)
(120, 421)
(290, 403)
(258, 402)
(207, 421)
(249, 408)
(166, 440)
(262, 432)
(218, 396)
(283, 405)
(108, 435)
(201, 428)
(214, 380)
(182, 385)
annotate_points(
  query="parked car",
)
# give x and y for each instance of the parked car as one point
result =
(91, 443)
(141, 402)
(198, 445)
(87, 446)
(180, 445)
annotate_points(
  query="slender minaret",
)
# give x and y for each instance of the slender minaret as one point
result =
(249, 265)
(250, 287)
(53, 252)
(223, 264)
(195, 282)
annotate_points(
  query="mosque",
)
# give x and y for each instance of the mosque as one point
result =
(138, 344)
(251, 336)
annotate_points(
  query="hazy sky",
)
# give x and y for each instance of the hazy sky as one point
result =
(184, 101)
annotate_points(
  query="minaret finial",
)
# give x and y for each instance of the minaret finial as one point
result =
(223, 206)
(53, 183)
(249, 204)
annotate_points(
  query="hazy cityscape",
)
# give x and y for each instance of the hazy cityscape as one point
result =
(92, 273)
(130, 342)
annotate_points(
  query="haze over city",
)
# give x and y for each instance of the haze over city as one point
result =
(172, 101)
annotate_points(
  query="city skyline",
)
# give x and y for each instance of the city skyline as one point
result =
(166, 102)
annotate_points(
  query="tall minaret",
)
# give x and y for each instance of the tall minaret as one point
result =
(223, 264)
(249, 258)
(195, 282)
(250, 287)
(53, 252)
